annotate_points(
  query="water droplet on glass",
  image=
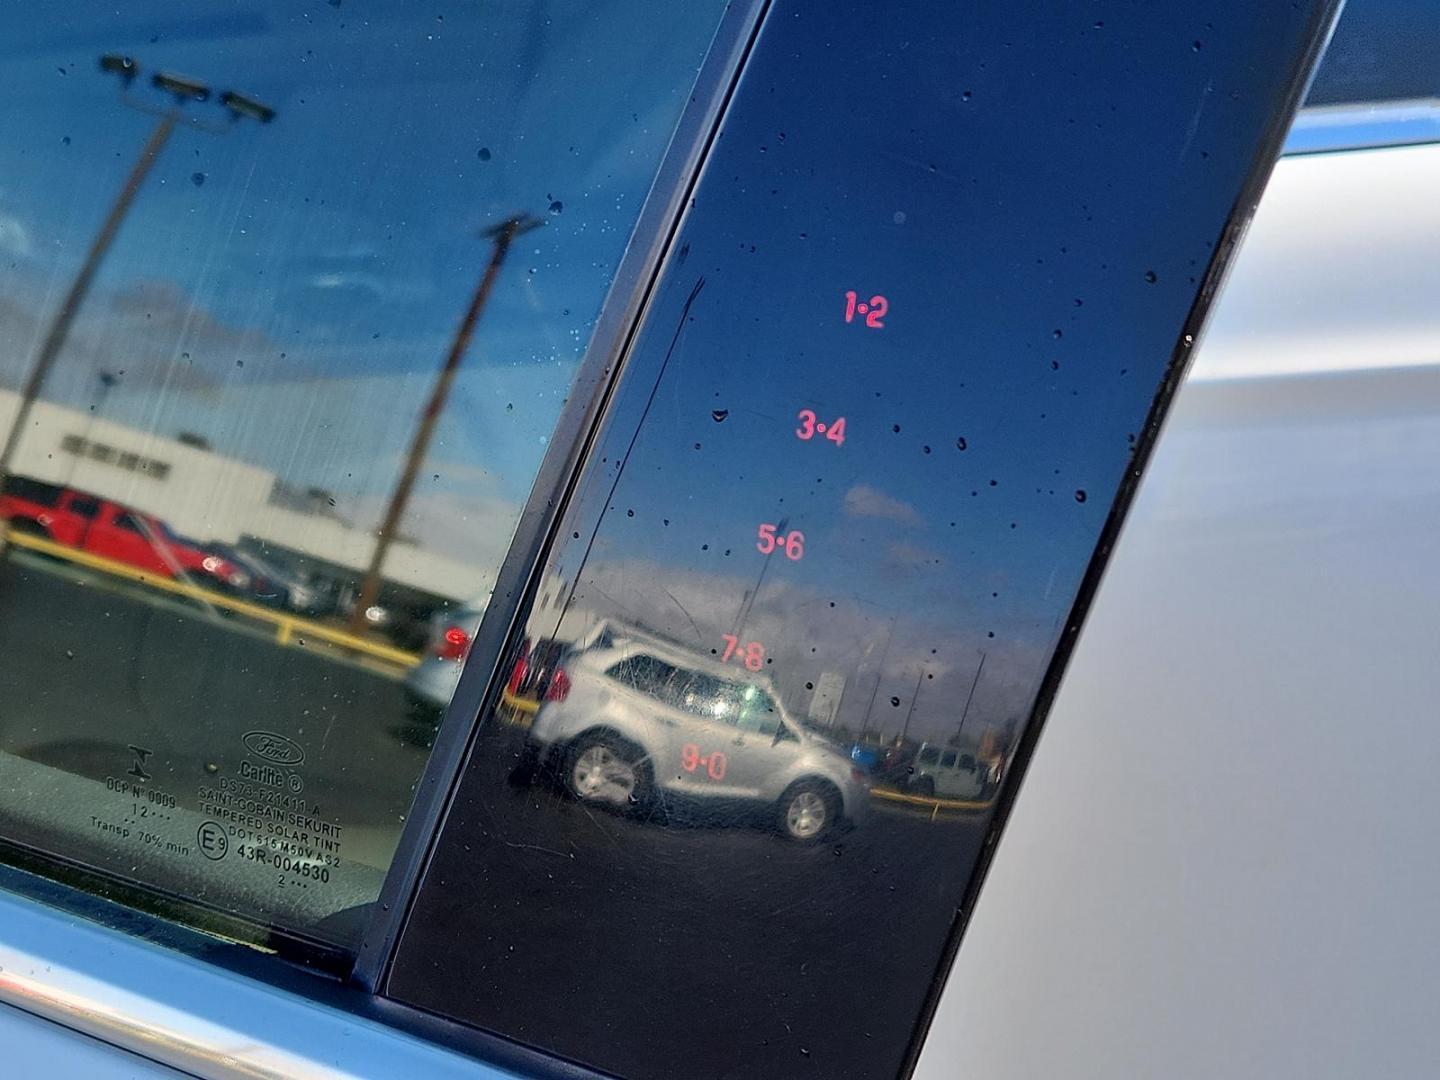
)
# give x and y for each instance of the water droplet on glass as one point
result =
(898, 217)
(483, 153)
(1057, 334)
(1151, 276)
(719, 415)
(557, 206)
(198, 179)
(895, 701)
(960, 443)
(1080, 495)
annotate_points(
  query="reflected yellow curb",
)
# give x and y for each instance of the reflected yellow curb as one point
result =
(930, 803)
(287, 627)
(519, 704)
(516, 711)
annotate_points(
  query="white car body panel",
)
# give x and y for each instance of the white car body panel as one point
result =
(1251, 891)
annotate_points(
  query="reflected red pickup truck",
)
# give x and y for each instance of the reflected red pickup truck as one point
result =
(87, 522)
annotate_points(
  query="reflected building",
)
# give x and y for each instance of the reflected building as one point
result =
(210, 496)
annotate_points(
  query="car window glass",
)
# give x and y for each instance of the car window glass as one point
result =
(644, 673)
(356, 254)
(757, 711)
(929, 756)
(83, 506)
(629, 669)
(34, 491)
(705, 695)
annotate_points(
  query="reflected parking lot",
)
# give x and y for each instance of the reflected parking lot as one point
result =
(576, 898)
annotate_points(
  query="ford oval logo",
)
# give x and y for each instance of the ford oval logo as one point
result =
(276, 748)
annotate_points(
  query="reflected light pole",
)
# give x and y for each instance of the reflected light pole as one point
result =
(969, 700)
(501, 236)
(914, 696)
(183, 91)
(879, 678)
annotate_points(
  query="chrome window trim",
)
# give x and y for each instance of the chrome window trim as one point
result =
(193, 1015)
(1364, 126)
(34, 1045)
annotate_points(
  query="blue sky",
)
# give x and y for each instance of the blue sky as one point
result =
(288, 291)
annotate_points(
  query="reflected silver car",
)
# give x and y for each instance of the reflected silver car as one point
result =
(431, 683)
(624, 724)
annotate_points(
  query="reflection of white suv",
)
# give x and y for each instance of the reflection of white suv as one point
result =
(950, 774)
(625, 722)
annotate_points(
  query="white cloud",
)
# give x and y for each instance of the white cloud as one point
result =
(866, 501)
(14, 237)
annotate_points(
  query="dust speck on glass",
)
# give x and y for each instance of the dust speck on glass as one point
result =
(291, 296)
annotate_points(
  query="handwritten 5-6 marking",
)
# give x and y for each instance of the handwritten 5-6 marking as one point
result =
(793, 543)
(811, 425)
